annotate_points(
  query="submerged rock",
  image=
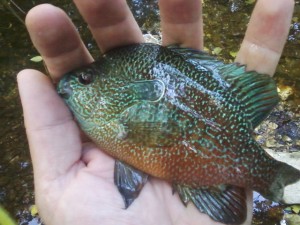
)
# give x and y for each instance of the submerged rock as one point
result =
(280, 132)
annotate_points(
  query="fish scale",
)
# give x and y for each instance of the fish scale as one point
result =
(182, 116)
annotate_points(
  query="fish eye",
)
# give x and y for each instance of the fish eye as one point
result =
(85, 78)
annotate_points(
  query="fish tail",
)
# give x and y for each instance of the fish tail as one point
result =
(285, 186)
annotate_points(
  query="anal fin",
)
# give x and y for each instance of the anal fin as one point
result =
(223, 203)
(129, 181)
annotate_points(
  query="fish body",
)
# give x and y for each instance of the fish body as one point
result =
(182, 116)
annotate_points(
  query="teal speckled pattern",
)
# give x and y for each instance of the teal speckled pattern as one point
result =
(177, 114)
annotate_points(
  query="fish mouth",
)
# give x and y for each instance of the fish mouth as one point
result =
(64, 89)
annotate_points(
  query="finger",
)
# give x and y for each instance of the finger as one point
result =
(53, 136)
(249, 199)
(56, 39)
(98, 161)
(111, 22)
(181, 22)
(266, 35)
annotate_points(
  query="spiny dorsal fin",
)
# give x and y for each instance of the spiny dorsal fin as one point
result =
(198, 58)
(257, 92)
(190, 53)
(225, 203)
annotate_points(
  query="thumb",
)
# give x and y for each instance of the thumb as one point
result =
(53, 136)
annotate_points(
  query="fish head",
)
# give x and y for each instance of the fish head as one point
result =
(100, 92)
(90, 93)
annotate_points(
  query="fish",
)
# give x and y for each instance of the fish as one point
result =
(180, 115)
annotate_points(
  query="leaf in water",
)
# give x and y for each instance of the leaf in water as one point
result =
(216, 50)
(37, 58)
(249, 2)
(295, 19)
(233, 54)
(296, 208)
(205, 49)
(293, 209)
(5, 219)
(33, 210)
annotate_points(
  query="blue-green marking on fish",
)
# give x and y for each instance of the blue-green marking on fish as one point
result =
(182, 116)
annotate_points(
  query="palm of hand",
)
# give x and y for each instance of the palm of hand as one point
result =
(89, 190)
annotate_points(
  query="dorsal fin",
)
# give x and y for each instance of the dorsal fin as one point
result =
(257, 92)
(197, 57)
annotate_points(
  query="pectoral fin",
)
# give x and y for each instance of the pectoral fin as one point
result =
(129, 181)
(224, 203)
(148, 124)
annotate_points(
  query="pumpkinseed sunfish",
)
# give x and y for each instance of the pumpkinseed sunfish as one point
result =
(182, 116)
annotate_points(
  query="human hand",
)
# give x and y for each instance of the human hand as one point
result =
(74, 179)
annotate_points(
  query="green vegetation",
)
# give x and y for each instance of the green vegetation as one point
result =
(5, 219)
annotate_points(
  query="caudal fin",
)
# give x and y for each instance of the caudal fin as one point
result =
(286, 185)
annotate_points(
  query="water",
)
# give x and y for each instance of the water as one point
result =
(224, 31)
